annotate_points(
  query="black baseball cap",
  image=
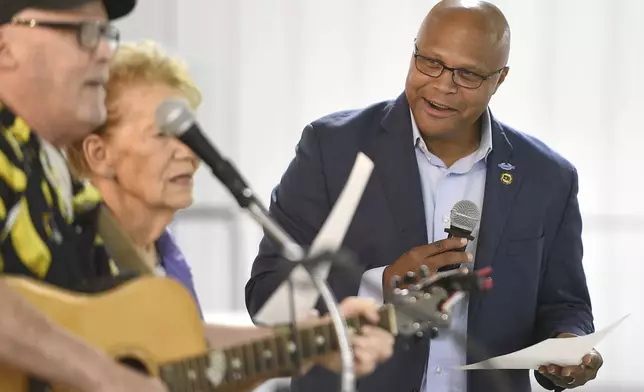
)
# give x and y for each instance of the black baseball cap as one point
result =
(115, 8)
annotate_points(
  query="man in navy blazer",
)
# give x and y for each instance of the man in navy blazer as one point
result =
(436, 144)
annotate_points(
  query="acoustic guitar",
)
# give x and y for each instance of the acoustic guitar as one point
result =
(153, 325)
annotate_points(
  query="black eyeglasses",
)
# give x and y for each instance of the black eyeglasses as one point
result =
(460, 76)
(88, 33)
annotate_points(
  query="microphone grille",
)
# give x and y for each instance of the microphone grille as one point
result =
(465, 215)
(174, 116)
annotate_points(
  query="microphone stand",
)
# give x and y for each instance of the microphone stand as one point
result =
(292, 251)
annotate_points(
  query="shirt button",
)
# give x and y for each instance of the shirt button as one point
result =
(446, 219)
(439, 370)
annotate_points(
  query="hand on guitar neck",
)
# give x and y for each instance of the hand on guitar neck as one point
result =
(372, 345)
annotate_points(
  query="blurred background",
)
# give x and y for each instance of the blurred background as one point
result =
(269, 67)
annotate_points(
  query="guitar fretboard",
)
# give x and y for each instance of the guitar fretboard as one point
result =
(275, 356)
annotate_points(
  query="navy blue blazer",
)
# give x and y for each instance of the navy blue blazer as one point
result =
(530, 235)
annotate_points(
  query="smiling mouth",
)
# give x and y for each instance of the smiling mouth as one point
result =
(437, 106)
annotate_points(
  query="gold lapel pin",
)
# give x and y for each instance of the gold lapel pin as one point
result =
(506, 178)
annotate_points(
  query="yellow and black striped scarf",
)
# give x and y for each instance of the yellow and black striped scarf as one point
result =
(28, 230)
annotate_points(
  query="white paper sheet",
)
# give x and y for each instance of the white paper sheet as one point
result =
(562, 352)
(276, 309)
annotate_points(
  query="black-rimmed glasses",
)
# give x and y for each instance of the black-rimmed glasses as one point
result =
(460, 76)
(88, 33)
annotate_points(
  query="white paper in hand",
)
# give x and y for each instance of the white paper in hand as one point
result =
(276, 310)
(562, 352)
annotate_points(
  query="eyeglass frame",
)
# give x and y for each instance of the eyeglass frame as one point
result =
(104, 30)
(452, 69)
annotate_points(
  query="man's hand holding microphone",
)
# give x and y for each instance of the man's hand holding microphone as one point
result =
(432, 256)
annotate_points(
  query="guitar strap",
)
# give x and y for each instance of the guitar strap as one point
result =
(119, 247)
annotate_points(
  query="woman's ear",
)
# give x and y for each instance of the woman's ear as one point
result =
(98, 156)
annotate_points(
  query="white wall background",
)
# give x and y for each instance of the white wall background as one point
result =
(268, 67)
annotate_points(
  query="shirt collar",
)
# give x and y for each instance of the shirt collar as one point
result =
(486, 135)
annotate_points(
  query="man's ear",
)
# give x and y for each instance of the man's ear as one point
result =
(504, 73)
(98, 157)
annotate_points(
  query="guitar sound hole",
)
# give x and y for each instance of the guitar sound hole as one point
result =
(134, 364)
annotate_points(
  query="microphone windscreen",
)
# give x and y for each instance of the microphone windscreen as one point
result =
(465, 215)
(174, 117)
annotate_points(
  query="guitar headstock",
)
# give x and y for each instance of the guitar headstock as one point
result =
(425, 302)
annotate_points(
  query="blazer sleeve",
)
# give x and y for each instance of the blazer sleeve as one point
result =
(299, 204)
(563, 301)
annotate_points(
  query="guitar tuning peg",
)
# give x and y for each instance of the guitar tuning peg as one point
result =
(423, 271)
(410, 277)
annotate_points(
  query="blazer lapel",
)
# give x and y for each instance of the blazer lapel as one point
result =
(502, 183)
(392, 151)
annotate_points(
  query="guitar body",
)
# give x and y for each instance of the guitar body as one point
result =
(145, 322)
(152, 324)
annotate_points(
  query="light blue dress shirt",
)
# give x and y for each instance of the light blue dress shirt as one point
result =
(442, 187)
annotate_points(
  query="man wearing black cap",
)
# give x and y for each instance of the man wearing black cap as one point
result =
(53, 68)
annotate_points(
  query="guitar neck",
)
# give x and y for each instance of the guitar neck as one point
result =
(262, 359)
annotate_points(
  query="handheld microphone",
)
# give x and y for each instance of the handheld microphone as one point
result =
(175, 118)
(464, 217)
